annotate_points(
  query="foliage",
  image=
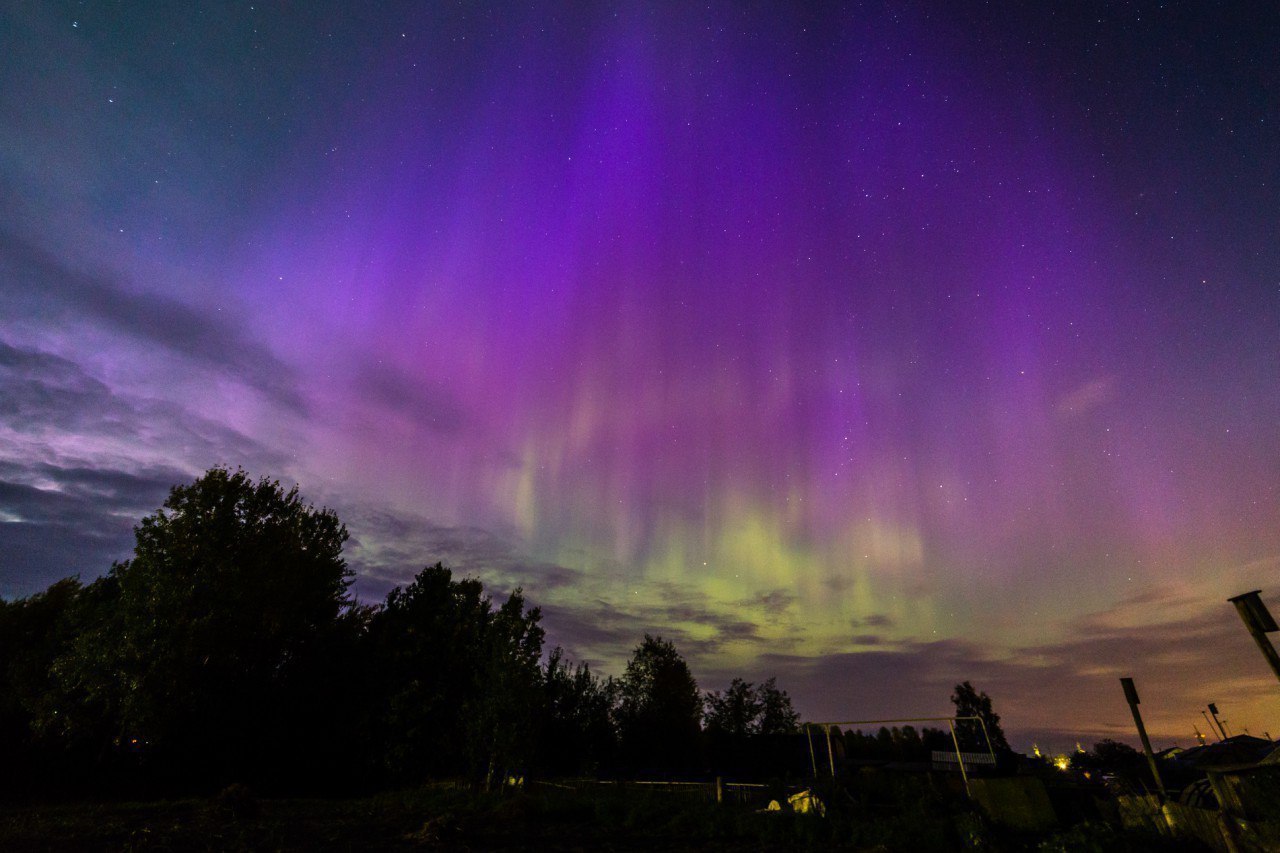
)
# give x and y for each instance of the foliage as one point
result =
(202, 652)
(501, 715)
(454, 684)
(227, 649)
(578, 734)
(746, 709)
(419, 651)
(233, 586)
(1119, 761)
(897, 744)
(34, 633)
(736, 712)
(970, 703)
(659, 708)
(777, 716)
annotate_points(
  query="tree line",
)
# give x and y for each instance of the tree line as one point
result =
(229, 648)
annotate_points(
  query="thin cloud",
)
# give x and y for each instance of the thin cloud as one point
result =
(60, 522)
(1087, 397)
(424, 403)
(388, 548)
(146, 317)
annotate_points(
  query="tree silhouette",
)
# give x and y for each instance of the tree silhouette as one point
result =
(659, 708)
(228, 649)
(736, 712)
(500, 717)
(745, 710)
(454, 684)
(230, 593)
(1111, 757)
(577, 735)
(970, 703)
(38, 738)
(777, 716)
(421, 651)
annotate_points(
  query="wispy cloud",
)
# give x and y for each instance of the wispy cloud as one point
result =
(39, 283)
(425, 404)
(387, 547)
(81, 462)
(59, 522)
(1087, 397)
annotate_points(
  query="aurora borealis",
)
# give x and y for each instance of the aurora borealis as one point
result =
(875, 347)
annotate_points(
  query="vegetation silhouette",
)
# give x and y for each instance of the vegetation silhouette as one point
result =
(229, 649)
(970, 703)
(750, 730)
(228, 655)
(659, 709)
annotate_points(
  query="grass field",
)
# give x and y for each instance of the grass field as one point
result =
(447, 817)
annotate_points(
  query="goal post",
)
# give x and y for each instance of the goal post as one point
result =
(951, 726)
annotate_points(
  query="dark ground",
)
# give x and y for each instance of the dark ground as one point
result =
(450, 818)
(412, 820)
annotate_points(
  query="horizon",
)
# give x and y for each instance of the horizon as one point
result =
(872, 349)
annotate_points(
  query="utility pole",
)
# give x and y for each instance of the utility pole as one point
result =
(1208, 722)
(1257, 619)
(1213, 710)
(1131, 696)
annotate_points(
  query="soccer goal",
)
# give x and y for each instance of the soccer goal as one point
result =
(988, 758)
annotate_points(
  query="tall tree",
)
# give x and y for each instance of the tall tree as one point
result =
(746, 709)
(777, 716)
(970, 703)
(736, 712)
(422, 650)
(233, 588)
(34, 633)
(742, 725)
(456, 684)
(659, 708)
(502, 714)
(577, 734)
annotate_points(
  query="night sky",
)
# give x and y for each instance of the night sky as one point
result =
(874, 347)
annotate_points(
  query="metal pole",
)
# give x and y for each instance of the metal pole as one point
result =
(808, 735)
(1213, 711)
(960, 758)
(1131, 696)
(990, 748)
(1258, 620)
(831, 755)
(1208, 722)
